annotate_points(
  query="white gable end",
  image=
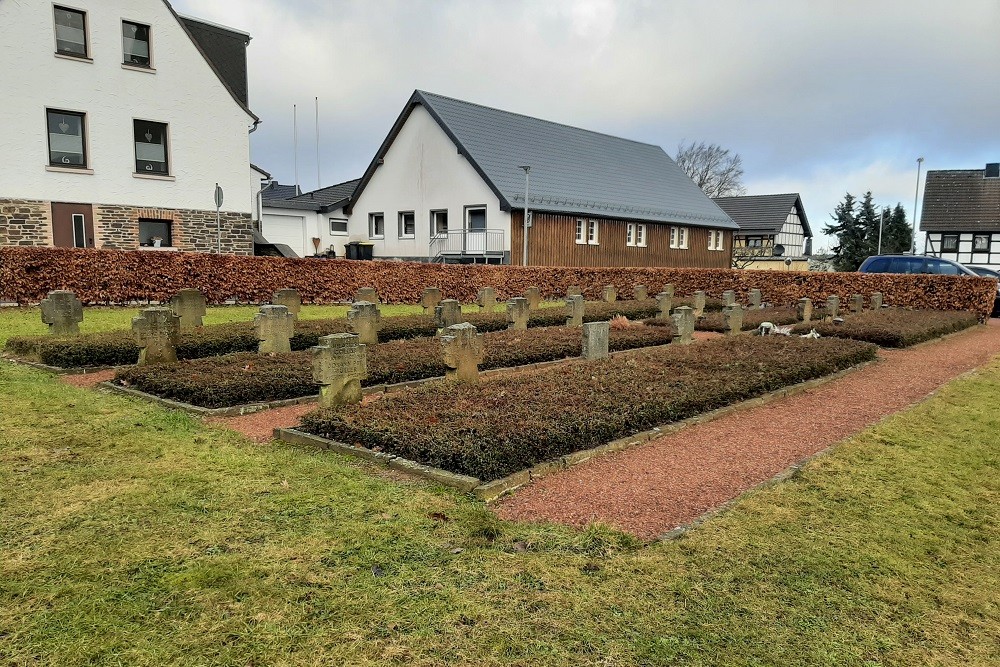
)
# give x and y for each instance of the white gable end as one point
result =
(421, 172)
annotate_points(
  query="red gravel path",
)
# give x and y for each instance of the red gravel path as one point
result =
(653, 488)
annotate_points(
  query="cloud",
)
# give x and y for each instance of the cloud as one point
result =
(816, 96)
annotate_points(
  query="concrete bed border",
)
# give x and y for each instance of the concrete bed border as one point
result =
(491, 491)
(251, 408)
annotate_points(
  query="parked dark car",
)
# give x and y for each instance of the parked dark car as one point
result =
(933, 265)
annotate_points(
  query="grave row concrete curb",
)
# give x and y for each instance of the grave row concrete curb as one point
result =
(491, 491)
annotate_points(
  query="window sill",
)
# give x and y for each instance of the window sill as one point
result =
(165, 248)
(339, 234)
(79, 59)
(376, 238)
(139, 68)
(68, 170)
(407, 237)
(153, 177)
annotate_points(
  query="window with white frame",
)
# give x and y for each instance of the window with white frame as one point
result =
(71, 32)
(376, 225)
(338, 226)
(407, 225)
(716, 241)
(679, 237)
(67, 138)
(581, 232)
(592, 232)
(635, 235)
(439, 222)
(981, 243)
(135, 44)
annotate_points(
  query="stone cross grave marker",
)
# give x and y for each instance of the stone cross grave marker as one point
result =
(640, 293)
(366, 294)
(684, 325)
(668, 289)
(430, 299)
(857, 303)
(832, 306)
(732, 319)
(573, 290)
(156, 331)
(339, 365)
(595, 340)
(275, 327)
(447, 313)
(664, 302)
(609, 294)
(189, 305)
(574, 311)
(365, 320)
(699, 303)
(534, 298)
(518, 313)
(805, 309)
(876, 300)
(290, 299)
(486, 299)
(755, 298)
(463, 352)
(728, 298)
(63, 312)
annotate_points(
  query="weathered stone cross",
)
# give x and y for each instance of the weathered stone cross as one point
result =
(339, 364)
(189, 305)
(63, 312)
(462, 347)
(275, 327)
(365, 320)
(156, 331)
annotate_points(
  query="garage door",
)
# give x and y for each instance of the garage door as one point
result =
(287, 229)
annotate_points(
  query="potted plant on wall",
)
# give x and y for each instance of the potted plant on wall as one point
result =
(156, 240)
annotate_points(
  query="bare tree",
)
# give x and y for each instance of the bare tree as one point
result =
(714, 169)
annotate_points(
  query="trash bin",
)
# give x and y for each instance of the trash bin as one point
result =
(352, 249)
(365, 250)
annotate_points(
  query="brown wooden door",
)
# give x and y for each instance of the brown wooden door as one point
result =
(72, 225)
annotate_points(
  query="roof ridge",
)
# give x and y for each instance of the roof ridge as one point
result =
(328, 187)
(540, 120)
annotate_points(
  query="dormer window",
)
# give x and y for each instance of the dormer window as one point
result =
(135, 44)
(71, 32)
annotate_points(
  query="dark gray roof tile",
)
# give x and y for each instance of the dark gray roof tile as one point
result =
(960, 200)
(763, 214)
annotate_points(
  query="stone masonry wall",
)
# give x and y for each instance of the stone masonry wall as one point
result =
(117, 227)
(25, 222)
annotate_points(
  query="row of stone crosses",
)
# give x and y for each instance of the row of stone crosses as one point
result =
(339, 360)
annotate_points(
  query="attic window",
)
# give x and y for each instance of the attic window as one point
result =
(992, 170)
(135, 44)
(71, 32)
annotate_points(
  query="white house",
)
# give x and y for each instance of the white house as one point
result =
(447, 185)
(119, 119)
(961, 215)
(774, 231)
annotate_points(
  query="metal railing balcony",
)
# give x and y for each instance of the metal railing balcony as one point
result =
(462, 243)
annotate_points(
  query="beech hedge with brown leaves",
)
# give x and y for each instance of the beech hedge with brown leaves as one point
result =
(120, 276)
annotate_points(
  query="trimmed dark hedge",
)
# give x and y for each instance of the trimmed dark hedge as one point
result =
(894, 327)
(123, 276)
(117, 348)
(236, 379)
(493, 429)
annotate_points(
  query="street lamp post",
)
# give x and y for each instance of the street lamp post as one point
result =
(527, 222)
(881, 221)
(913, 244)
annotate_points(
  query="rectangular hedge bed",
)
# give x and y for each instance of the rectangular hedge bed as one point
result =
(492, 429)
(895, 327)
(243, 378)
(117, 348)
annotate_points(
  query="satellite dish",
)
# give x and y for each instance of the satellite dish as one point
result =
(778, 250)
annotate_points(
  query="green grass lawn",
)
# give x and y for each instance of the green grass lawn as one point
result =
(130, 535)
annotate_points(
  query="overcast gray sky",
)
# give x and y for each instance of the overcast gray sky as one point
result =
(819, 97)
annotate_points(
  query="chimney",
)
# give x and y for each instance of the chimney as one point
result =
(992, 170)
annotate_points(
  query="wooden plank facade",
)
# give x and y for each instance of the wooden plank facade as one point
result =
(552, 241)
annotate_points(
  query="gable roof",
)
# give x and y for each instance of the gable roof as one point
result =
(960, 200)
(224, 49)
(763, 214)
(275, 190)
(573, 170)
(322, 200)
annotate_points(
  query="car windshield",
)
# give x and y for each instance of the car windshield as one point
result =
(989, 273)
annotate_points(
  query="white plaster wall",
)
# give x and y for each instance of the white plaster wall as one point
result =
(208, 130)
(422, 171)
